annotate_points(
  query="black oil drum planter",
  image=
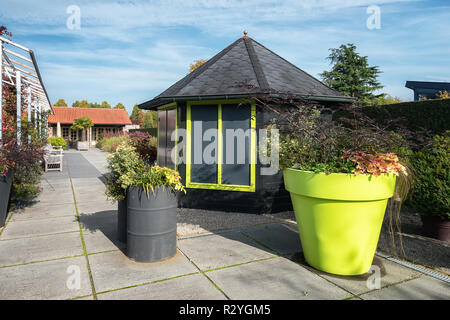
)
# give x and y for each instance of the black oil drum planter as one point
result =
(152, 224)
(5, 189)
(122, 220)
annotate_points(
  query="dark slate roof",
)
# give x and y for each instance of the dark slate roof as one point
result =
(427, 85)
(244, 67)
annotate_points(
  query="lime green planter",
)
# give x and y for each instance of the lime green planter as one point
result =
(339, 217)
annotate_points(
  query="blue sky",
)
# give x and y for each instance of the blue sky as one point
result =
(130, 51)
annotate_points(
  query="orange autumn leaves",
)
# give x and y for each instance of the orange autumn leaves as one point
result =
(376, 164)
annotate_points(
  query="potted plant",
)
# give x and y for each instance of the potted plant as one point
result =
(340, 174)
(431, 193)
(6, 176)
(151, 213)
(82, 123)
(151, 205)
(121, 165)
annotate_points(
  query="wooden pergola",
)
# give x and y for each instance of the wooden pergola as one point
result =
(19, 68)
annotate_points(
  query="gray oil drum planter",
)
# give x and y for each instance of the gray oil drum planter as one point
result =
(152, 224)
(5, 190)
(122, 220)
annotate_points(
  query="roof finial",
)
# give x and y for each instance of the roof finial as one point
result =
(245, 33)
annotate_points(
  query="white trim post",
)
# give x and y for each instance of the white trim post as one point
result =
(40, 120)
(29, 115)
(19, 106)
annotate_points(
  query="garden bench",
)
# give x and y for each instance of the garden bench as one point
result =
(53, 158)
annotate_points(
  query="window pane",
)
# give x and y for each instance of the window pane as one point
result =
(203, 170)
(236, 122)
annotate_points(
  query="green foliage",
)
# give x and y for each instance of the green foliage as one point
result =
(120, 106)
(431, 193)
(86, 104)
(431, 115)
(110, 143)
(60, 103)
(128, 169)
(296, 152)
(351, 74)
(123, 166)
(80, 104)
(385, 99)
(81, 123)
(150, 119)
(137, 115)
(105, 105)
(25, 183)
(57, 142)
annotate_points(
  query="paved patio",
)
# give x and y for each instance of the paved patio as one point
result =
(70, 234)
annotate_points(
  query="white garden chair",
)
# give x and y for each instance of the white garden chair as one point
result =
(53, 158)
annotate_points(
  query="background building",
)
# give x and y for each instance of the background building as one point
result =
(104, 120)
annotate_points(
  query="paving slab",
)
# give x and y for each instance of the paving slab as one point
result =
(423, 288)
(44, 211)
(113, 270)
(79, 183)
(55, 197)
(278, 237)
(45, 280)
(98, 196)
(100, 231)
(95, 206)
(25, 250)
(272, 279)
(192, 287)
(227, 248)
(29, 228)
(390, 273)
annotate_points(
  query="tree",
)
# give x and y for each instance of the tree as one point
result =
(150, 119)
(137, 115)
(60, 103)
(81, 104)
(385, 99)
(196, 64)
(120, 106)
(351, 74)
(82, 123)
(105, 105)
(94, 105)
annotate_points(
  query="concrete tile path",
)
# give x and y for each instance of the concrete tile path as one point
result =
(65, 247)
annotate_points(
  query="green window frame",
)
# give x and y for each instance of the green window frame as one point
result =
(219, 185)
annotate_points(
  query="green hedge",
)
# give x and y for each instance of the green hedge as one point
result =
(431, 193)
(432, 115)
(57, 142)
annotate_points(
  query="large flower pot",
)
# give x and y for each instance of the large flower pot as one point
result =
(152, 224)
(435, 227)
(5, 189)
(122, 220)
(339, 217)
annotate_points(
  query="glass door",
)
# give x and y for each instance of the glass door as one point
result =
(167, 124)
